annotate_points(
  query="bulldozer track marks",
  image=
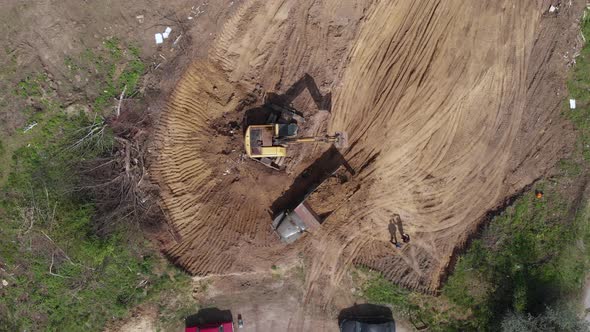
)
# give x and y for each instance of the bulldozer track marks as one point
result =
(434, 97)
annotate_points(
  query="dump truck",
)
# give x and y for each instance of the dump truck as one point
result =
(290, 225)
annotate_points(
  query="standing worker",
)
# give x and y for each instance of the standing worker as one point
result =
(393, 237)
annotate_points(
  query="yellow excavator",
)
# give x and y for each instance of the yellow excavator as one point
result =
(267, 143)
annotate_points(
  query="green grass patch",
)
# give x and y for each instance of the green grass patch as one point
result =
(436, 313)
(63, 276)
(525, 260)
(107, 69)
(117, 66)
(380, 290)
(579, 89)
(31, 86)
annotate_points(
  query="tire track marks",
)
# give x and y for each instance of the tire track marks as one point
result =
(443, 143)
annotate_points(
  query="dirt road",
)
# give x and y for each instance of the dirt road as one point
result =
(451, 107)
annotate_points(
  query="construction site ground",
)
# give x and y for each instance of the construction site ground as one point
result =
(451, 108)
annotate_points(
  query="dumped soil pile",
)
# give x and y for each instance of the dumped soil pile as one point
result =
(450, 107)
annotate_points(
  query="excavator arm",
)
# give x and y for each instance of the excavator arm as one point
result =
(340, 140)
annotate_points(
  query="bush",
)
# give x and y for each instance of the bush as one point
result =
(560, 319)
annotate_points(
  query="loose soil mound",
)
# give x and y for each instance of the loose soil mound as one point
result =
(447, 104)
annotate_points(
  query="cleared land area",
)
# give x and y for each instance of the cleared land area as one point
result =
(451, 108)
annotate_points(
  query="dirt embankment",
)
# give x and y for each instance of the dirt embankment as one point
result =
(450, 107)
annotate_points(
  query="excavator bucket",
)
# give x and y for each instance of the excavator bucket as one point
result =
(341, 141)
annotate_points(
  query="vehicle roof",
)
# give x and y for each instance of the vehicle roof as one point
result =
(307, 215)
(291, 225)
(355, 326)
(212, 327)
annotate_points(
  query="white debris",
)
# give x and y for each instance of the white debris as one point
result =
(159, 38)
(139, 18)
(177, 39)
(196, 12)
(29, 127)
(4, 283)
(167, 32)
(552, 9)
(572, 104)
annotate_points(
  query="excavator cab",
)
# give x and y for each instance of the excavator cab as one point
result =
(267, 143)
(261, 141)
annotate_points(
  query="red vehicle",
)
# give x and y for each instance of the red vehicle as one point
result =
(212, 327)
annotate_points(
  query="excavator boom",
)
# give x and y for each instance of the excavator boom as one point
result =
(340, 140)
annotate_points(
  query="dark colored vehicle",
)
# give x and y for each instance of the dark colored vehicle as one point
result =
(366, 318)
(355, 326)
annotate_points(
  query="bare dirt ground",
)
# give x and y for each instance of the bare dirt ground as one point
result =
(41, 36)
(277, 306)
(451, 108)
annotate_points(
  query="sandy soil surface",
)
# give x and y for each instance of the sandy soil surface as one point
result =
(451, 108)
(277, 306)
(278, 294)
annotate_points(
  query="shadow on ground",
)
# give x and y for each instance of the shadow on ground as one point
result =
(366, 313)
(311, 178)
(208, 316)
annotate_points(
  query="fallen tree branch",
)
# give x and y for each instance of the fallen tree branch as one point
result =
(60, 249)
(51, 268)
(95, 131)
(99, 166)
(120, 184)
(24, 216)
(121, 100)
